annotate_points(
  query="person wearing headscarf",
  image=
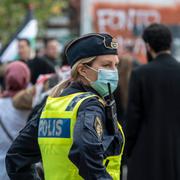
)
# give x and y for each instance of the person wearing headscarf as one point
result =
(17, 76)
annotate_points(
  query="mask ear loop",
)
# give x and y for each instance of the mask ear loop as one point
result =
(91, 68)
(87, 79)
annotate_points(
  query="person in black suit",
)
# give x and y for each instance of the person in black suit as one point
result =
(153, 113)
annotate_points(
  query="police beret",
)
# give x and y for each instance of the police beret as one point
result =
(94, 44)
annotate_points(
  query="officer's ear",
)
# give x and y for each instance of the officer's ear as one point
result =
(82, 70)
(150, 50)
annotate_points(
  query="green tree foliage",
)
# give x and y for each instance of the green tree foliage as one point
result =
(13, 12)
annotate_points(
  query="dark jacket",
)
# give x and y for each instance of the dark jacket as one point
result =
(39, 66)
(153, 121)
(51, 61)
(25, 149)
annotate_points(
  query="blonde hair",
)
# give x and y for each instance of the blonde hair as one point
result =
(57, 90)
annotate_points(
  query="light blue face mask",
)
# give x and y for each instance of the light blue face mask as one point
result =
(105, 76)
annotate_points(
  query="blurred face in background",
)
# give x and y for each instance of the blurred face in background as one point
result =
(52, 49)
(24, 50)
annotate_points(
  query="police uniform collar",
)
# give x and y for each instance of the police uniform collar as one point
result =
(78, 87)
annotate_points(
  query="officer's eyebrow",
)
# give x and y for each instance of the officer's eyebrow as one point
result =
(109, 61)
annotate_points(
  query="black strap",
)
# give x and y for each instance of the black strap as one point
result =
(6, 131)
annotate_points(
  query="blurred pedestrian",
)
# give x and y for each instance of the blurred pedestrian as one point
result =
(17, 77)
(24, 55)
(52, 52)
(153, 118)
(24, 50)
(47, 63)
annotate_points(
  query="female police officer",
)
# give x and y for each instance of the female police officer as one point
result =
(77, 134)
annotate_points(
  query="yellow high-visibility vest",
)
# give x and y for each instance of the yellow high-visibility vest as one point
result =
(55, 138)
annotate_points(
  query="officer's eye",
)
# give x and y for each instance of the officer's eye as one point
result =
(107, 65)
